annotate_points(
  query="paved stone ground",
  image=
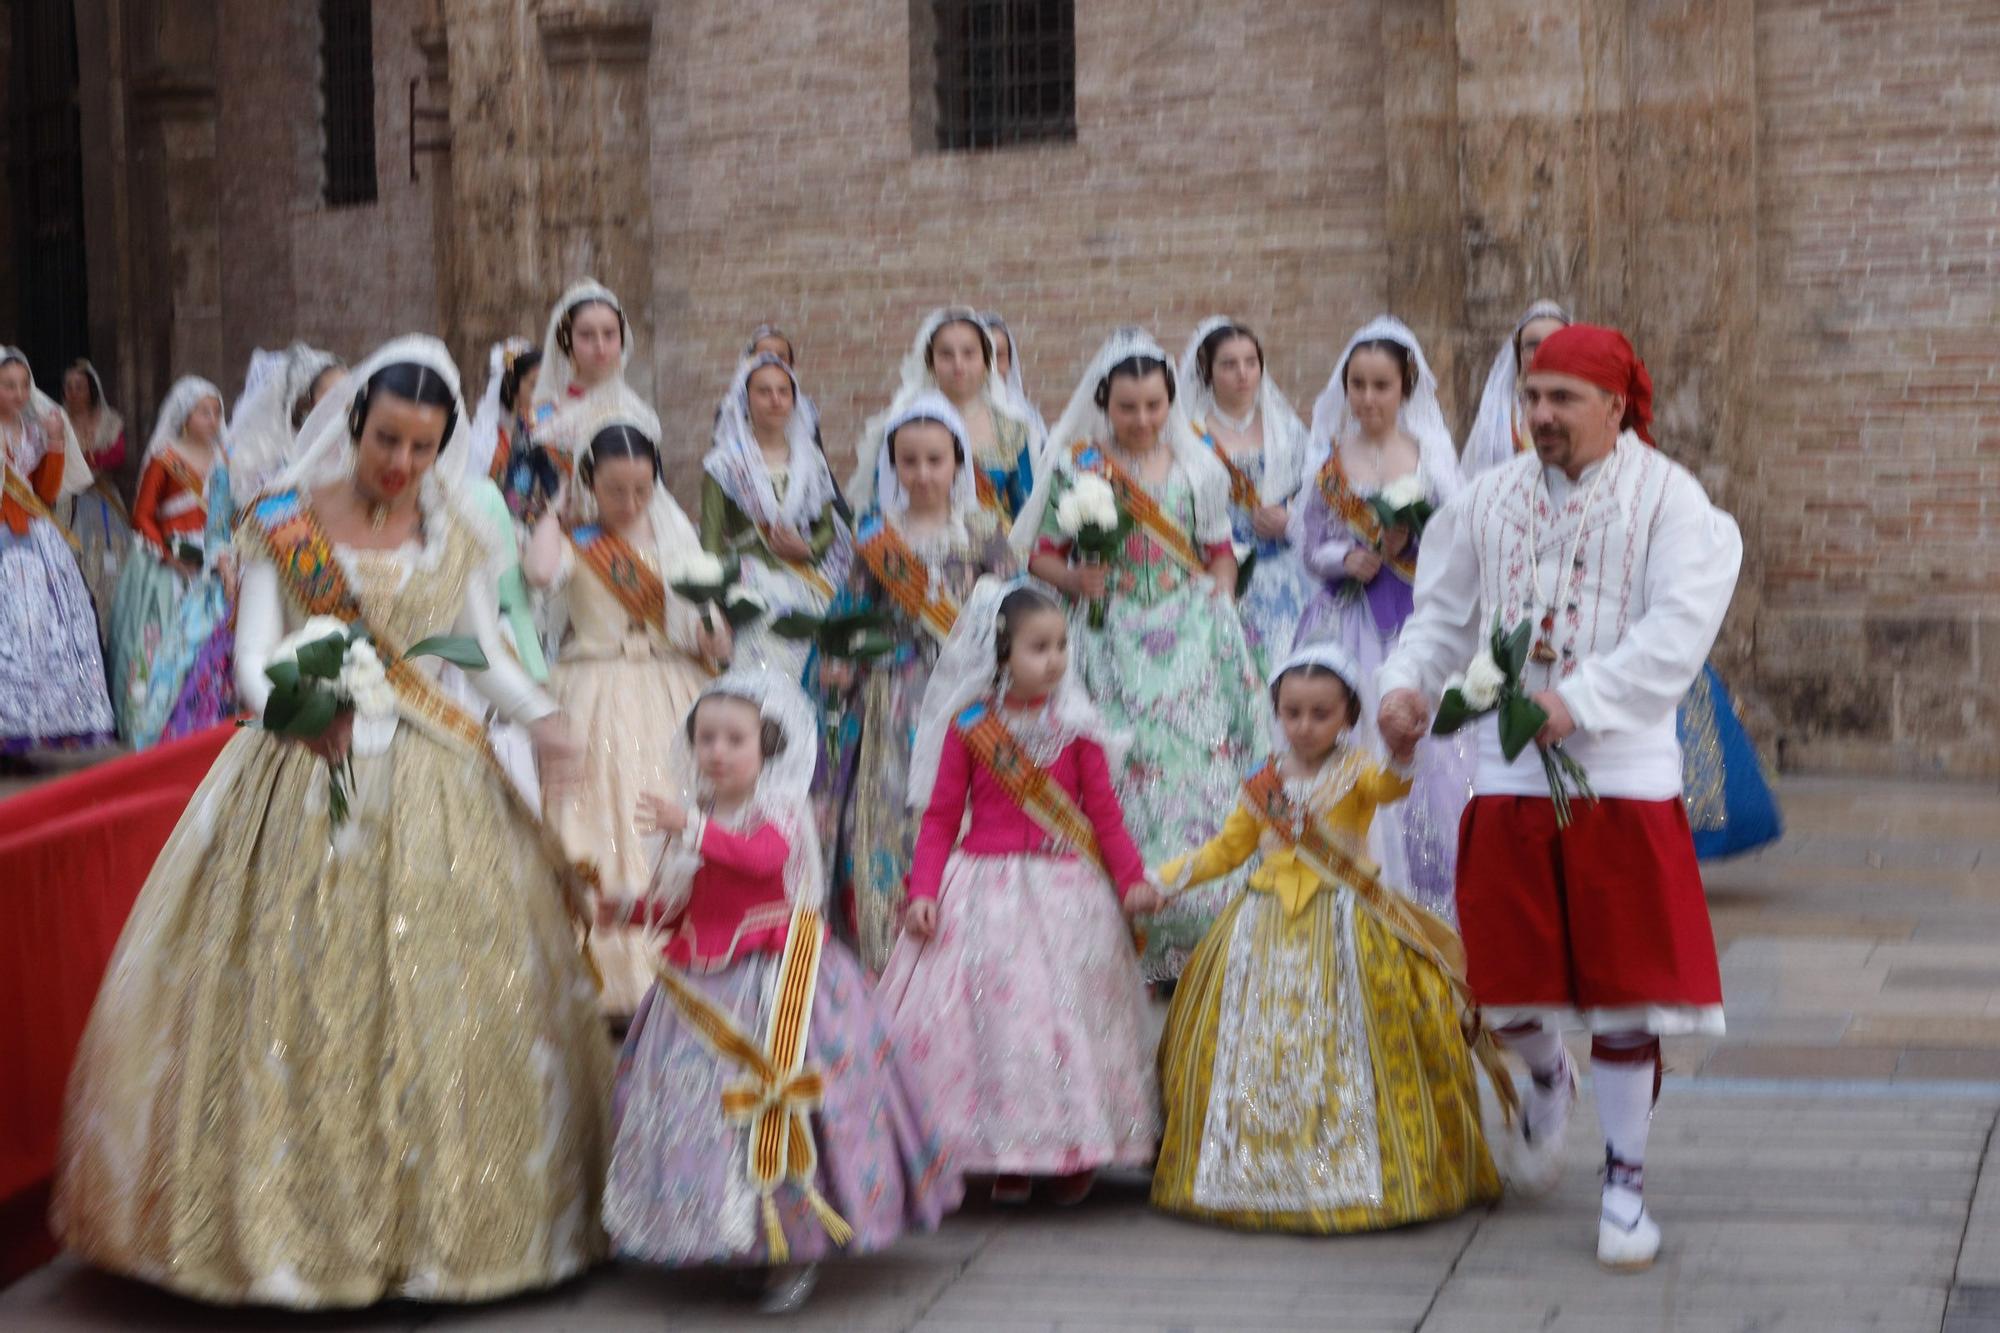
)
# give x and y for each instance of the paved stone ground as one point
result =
(1821, 1168)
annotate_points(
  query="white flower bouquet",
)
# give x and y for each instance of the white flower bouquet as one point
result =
(1492, 683)
(329, 668)
(709, 581)
(1089, 516)
(1404, 502)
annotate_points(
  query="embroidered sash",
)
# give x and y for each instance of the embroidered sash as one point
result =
(1419, 929)
(988, 493)
(621, 570)
(1360, 516)
(779, 1092)
(1242, 491)
(310, 573)
(503, 456)
(905, 577)
(1030, 785)
(184, 475)
(813, 578)
(22, 494)
(1144, 509)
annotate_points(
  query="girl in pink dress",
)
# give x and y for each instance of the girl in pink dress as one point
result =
(1015, 986)
(762, 1116)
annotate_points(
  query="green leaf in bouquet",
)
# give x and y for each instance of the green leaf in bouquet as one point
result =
(1510, 650)
(321, 659)
(283, 705)
(317, 710)
(1453, 713)
(284, 675)
(461, 650)
(1244, 569)
(1385, 514)
(741, 611)
(865, 645)
(1520, 718)
(796, 625)
(701, 594)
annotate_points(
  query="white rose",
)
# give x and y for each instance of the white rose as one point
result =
(1404, 491)
(361, 671)
(375, 700)
(1094, 492)
(699, 569)
(1069, 514)
(1483, 680)
(749, 597)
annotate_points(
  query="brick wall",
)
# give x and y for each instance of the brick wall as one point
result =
(1877, 427)
(787, 187)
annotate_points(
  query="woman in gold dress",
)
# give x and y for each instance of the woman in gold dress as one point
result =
(337, 1062)
(632, 657)
(1313, 1073)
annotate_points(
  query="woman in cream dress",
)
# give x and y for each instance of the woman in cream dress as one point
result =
(335, 1064)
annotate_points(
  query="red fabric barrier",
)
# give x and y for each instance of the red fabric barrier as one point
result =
(73, 857)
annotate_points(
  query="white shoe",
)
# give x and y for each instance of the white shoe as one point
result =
(1624, 1249)
(1538, 1146)
(789, 1286)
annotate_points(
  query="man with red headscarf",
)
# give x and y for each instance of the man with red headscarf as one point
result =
(1623, 569)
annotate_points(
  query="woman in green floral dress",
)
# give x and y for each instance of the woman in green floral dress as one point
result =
(1169, 665)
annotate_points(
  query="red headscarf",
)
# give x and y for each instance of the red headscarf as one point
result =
(1605, 358)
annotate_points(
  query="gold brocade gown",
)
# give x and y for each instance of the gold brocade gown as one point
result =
(1313, 1073)
(325, 1075)
(626, 688)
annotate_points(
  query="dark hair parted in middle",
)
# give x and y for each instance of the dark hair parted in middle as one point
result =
(413, 382)
(957, 449)
(970, 322)
(618, 441)
(1133, 368)
(566, 326)
(1204, 355)
(1395, 351)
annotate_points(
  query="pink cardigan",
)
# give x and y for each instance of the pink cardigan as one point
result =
(737, 903)
(1000, 827)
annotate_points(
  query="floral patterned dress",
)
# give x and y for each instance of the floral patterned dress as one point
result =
(1280, 586)
(873, 830)
(1171, 669)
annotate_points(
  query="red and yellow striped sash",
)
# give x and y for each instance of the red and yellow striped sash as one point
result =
(779, 1092)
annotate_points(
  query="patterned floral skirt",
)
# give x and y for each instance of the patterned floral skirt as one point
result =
(1025, 1016)
(148, 657)
(679, 1191)
(1176, 676)
(1315, 1079)
(51, 671)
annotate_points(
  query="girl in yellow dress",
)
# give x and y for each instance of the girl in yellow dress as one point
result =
(1313, 1074)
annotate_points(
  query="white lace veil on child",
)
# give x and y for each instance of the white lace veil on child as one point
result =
(967, 671)
(783, 795)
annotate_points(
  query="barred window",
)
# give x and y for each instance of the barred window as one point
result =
(347, 100)
(1006, 72)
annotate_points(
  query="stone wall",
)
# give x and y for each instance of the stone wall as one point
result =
(1876, 430)
(1791, 206)
(1227, 157)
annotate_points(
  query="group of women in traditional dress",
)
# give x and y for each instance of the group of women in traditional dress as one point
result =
(892, 821)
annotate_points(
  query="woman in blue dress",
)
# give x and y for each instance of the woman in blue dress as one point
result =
(1261, 443)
